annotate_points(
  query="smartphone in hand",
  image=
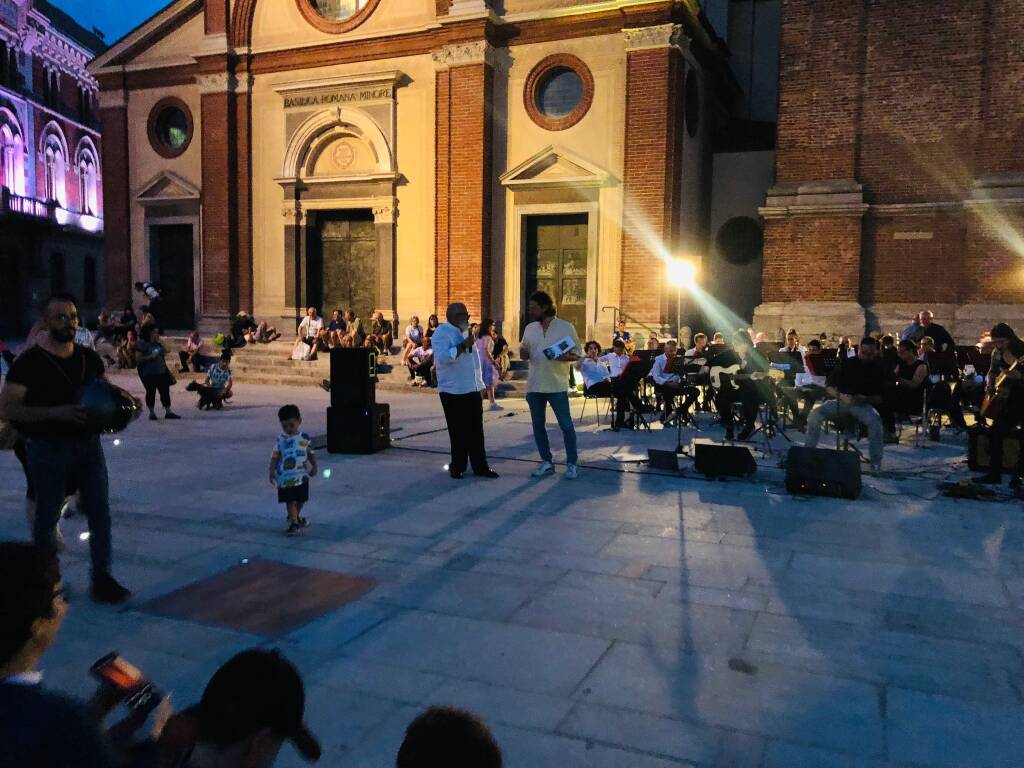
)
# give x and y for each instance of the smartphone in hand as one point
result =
(119, 675)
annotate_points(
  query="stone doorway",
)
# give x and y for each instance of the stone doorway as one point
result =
(346, 267)
(172, 267)
(556, 263)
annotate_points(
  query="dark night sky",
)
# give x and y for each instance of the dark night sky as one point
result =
(113, 17)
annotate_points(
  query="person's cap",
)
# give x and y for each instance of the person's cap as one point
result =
(256, 689)
(1002, 331)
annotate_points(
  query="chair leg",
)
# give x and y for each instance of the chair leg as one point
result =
(583, 410)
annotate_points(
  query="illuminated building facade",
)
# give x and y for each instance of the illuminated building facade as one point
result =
(51, 208)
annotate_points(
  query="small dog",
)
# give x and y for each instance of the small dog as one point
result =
(209, 397)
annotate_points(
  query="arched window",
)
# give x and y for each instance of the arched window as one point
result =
(55, 169)
(12, 155)
(88, 184)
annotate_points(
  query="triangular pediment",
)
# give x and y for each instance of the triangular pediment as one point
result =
(167, 187)
(555, 166)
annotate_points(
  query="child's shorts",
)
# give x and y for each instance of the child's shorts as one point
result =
(299, 493)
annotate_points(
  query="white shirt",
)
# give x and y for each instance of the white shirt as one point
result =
(458, 373)
(594, 371)
(548, 375)
(616, 363)
(692, 352)
(25, 678)
(312, 326)
(658, 371)
(799, 348)
(83, 338)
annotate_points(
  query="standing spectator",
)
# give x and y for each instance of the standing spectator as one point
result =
(421, 363)
(309, 328)
(153, 298)
(413, 338)
(195, 354)
(913, 331)
(459, 381)
(39, 398)
(448, 737)
(152, 362)
(942, 338)
(621, 334)
(488, 367)
(336, 329)
(548, 377)
(292, 463)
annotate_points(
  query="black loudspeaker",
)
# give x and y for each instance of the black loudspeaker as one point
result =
(353, 378)
(978, 460)
(662, 460)
(822, 472)
(716, 460)
(359, 430)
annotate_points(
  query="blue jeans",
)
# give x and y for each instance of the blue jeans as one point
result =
(52, 461)
(559, 402)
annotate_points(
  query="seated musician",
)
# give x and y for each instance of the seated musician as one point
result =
(925, 347)
(793, 343)
(621, 334)
(808, 387)
(596, 376)
(700, 347)
(905, 394)
(746, 391)
(857, 388)
(669, 385)
(624, 382)
(718, 338)
(1009, 348)
(652, 342)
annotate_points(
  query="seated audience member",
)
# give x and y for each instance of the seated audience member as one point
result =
(502, 359)
(793, 343)
(652, 342)
(808, 387)
(421, 363)
(445, 737)
(354, 328)
(310, 327)
(323, 343)
(39, 727)
(432, 324)
(856, 386)
(336, 328)
(925, 347)
(196, 354)
(625, 336)
(218, 376)
(669, 385)
(253, 704)
(380, 336)
(746, 391)
(413, 338)
(265, 333)
(1009, 348)
(624, 383)
(904, 391)
(129, 321)
(241, 328)
(126, 350)
(941, 339)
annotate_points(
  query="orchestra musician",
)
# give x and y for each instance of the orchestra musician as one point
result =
(808, 387)
(609, 376)
(670, 385)
(748, 392)
(1009, 349)
(905, 393)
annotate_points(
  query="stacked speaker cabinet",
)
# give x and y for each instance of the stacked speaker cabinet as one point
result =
(356, 422)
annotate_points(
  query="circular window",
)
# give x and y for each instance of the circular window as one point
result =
(336, 16)
(740, 240)
(692, 105)
(559, 91)
(170, 127)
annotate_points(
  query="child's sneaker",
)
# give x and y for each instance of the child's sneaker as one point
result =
(303, 522)
(294, 529)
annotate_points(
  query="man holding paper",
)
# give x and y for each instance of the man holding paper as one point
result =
(551, 345)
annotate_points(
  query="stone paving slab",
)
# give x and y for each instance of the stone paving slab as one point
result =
(628, 619)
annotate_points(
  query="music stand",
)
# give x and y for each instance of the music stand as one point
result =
(943, 364)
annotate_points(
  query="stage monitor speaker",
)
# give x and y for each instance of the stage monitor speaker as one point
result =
(662, 460)
(353, 377)
(978, 439)
(823, 472)
(714, 460)
(359, 430)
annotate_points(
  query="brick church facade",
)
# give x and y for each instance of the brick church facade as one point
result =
(899, 167)
(396, 155)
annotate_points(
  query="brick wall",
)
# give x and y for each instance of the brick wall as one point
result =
(651, 179)
(218, 199)
(243, 191)
(812, 258)
(463, 187)
(116, 207)
(913, 258)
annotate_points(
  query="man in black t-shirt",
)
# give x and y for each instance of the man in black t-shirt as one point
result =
(857, 387)
(39, 398)
(1009, 348)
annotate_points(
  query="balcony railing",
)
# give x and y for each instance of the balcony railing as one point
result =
(49, 211)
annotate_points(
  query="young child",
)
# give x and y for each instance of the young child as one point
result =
(291, 466)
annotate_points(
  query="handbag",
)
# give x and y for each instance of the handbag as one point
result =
(301, 350)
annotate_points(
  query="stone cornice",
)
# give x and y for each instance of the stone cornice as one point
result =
(113, 99)
(461, 54)
(658, 36)
(218, 82)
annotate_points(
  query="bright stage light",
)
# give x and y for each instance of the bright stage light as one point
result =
(83, 536)
(117, 442)
(682, 273)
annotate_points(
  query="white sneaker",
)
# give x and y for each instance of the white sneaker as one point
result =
(570, 472)
(496, 407)
(547, 468)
